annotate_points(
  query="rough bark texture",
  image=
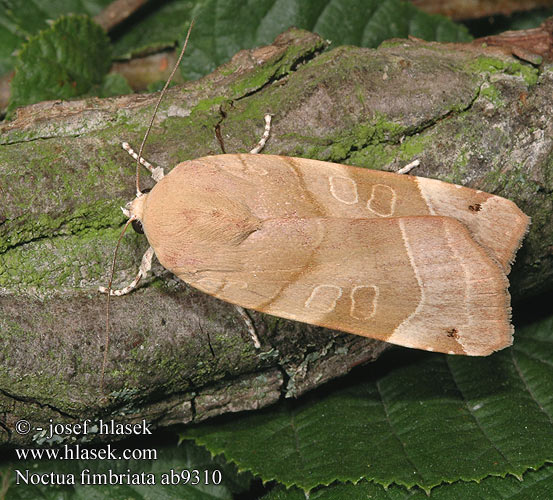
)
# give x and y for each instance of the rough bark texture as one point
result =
(532, 45)
(472, 116)
(461, 9)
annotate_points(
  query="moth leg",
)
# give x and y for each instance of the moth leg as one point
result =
(157, 172)
(145, 266)
(407, 168)
(243, 313)
(249, 325)
(264, 137)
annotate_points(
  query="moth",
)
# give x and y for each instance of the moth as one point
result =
(408, 260)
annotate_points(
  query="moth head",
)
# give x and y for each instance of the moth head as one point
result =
(134, 211)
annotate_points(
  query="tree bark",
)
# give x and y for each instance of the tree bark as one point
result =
(459, 9)
(472, 115)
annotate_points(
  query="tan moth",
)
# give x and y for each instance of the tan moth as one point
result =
(408, 260)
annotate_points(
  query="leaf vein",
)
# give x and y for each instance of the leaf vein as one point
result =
(528, 388)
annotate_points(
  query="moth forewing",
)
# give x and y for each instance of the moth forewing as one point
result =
(341, 190)
(371, 253)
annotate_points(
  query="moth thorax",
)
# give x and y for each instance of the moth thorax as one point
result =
(136, 207)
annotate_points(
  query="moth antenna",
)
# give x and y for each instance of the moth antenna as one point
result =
(164, 90)
(106, 342)
(138, 193)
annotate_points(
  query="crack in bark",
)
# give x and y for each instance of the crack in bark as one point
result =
(35, 402)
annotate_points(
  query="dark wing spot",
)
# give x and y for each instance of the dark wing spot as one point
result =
(453, 333)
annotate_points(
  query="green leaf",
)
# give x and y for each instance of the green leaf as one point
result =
(529, 19)
(19, 19)
(159, 30)
(223, 27)
(10, 39)
(27, 17)
(113, 84)
(170, 462)
(434, 419)
(61, 62)
(535, 484)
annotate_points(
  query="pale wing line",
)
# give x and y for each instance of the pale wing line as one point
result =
(375, 302)
(352, 185)
(453, 248)
(392, 204)
(313, 293)
(424, 196)
(422, 299)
